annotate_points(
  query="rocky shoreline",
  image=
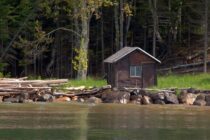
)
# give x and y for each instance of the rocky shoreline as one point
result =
(108, 95)
(24, 91)
(143, 97)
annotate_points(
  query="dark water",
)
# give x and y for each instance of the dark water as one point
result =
(103, 122)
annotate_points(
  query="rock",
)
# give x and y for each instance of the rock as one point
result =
(207, 98)
(191, 90)
(75, 98)
(24, 97)
(184, 91)
(62, 99)
(12, 100)
(81, 100)
(46, 98)
(161, 102)
(134, 92)
(143, 93)
(158, 96)
(116, 97)
(171, 98)
(136, 99)
(187, 98)
(124, 97)
(200, 102)
(94, 100)
(146, 100)
(1, 99)
(201, 97)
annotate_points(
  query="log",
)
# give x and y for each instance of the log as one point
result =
(75, 88)
(26, 88)
(34, 82)
(84, 93)
(16, 93)
(146, 89)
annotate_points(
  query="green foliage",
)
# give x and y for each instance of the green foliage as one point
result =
(199, 81)
(1, 75)
(80, 61)
(2, 66)
(33, 48)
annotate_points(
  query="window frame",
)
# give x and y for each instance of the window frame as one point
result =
(135, 71)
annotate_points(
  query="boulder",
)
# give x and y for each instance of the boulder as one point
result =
(187, 98)
(116, 97)
(192, 90)
(12, 99)
(1, 99)
(81, 100)
(158, 96)
(94, 100)
(24, 97)
(75, 98)
(46, 98)
(184, 91)
(146, 100)
(136, 99)
(171, 98)
(62, 99)
(161, 102)
(142, 92)
(207, 99)
(200, 102)
(124, 97)
(201, 97)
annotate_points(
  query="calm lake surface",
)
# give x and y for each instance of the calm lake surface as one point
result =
(103, 122)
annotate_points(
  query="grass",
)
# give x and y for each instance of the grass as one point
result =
(89, 82)
(198, 81)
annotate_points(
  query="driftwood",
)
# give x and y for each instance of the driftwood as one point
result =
(23, 89)
(84, 92)
(147, 89)
(34, 82)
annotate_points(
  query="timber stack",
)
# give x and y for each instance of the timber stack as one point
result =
(22, 90)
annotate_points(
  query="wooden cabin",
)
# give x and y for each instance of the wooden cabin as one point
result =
(131, 67)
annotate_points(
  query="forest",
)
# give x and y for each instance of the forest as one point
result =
(71, 38)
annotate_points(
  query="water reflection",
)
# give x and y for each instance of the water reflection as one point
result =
(103, 122)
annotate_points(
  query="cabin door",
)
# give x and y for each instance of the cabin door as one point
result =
(148, 75)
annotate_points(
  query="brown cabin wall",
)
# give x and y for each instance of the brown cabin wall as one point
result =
(122, 71)
(109, 69)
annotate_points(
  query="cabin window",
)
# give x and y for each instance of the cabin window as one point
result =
(135, 71)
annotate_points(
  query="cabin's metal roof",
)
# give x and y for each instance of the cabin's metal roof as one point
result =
(125, 51)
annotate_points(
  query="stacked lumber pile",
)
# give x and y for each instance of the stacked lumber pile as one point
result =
(23, 90)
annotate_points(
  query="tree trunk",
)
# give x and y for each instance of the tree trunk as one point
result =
(121, 24)
(205, 36)
(83, 56)
(180, 21)
(117, 28)
(170, 29)
(102, 45)
(154, 15)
